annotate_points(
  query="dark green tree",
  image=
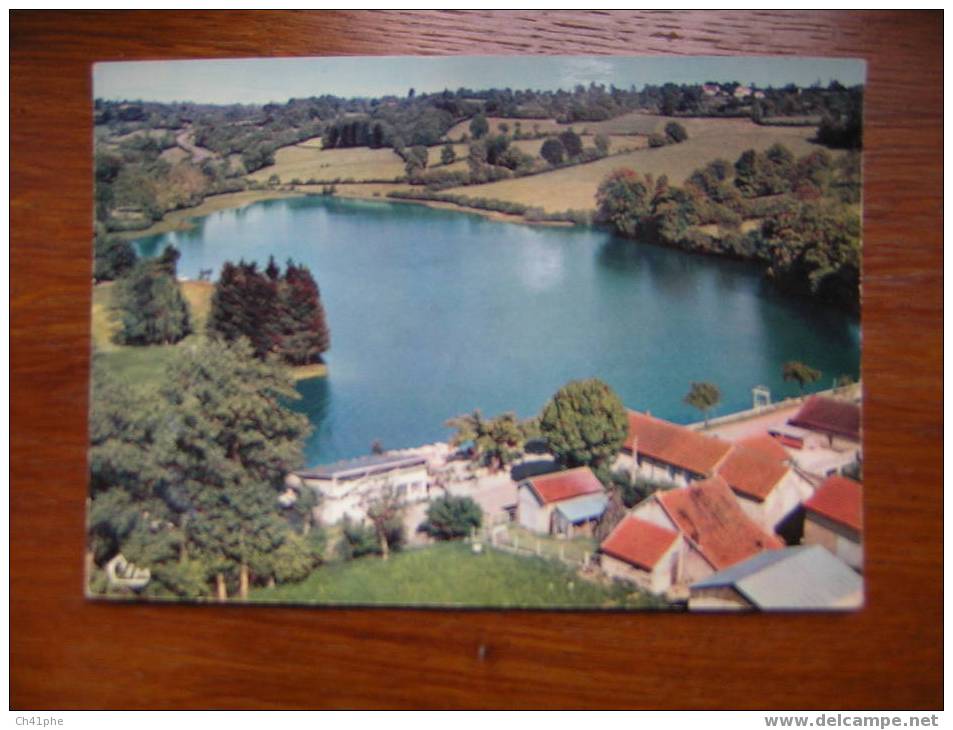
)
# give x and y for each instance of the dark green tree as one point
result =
(584, 424)
(572, 143)
(450, 517)
(152, 310)
(704, 397)
(228, 442)
(112, 257)
(479, 126)
(675, 132)
(798, 372)
(553, 151)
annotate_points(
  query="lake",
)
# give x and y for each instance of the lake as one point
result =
(434, 313)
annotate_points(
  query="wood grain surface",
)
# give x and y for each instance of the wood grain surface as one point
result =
(66, 652)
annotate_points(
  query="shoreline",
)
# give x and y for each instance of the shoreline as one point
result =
(181, 218)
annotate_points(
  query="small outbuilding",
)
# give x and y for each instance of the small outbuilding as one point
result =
(642, 553)
(794, 579)
(834, 518)
(563, 503)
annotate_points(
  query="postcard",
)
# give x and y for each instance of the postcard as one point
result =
(491, 332)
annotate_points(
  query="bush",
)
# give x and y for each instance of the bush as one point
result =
(657, 140)
(675, 132)
(452, 517)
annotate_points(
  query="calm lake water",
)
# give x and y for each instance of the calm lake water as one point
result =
(435, 313)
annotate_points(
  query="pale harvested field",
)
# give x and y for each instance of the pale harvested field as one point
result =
(460, 150)
(357, 163)
(575, 187)
(617, 143)
(545, 126)
(174, 155)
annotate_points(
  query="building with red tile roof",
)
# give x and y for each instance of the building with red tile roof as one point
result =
(642, 553)
(664, 451)
(767, 445)
(711, 520)
(561, 501)
(834, 518)
(767, 488)
(750, 473)
(839, 499)
(560, 485)
(829, 416)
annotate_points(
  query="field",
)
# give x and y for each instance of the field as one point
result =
(575, 187)
(306, 161)
(450, 574)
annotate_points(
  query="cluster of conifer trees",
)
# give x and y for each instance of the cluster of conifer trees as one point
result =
(279, 313)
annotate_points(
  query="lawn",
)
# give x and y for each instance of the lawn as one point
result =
(575, 187)
(451, 574)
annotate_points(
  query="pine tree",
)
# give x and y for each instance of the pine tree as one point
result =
(302, 326)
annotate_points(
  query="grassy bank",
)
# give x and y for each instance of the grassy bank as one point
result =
(450, 574)
(138, 364)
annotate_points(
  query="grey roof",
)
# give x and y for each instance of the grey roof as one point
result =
(587, 508)
(802, 577)
(361, 466)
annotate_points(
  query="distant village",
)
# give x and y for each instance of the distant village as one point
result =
(759, 510)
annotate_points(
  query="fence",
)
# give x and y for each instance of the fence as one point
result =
(500, 537)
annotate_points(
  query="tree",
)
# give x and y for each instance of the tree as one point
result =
(479, 126)
(704, 397)
(553, 151)
(496, 441)
(572, 143)
(800, 373)
(448, 155)
(185, 478)
(601, 142)
(385, 514)
(584, 424)
(277, 314)
(151, 308)
(451, 517)
(112, 258)
(675, 132)
(624, 201)
(228, 442)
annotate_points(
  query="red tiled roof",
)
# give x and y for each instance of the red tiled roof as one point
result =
(708, 513)
(562, 485)
(830, 416)
(638, 542)
(750, 472)
(839, 499)
(767, 446)
(673, 444)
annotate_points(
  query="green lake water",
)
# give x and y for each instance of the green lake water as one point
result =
(434, 313)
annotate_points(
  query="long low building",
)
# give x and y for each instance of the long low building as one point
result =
(347, 487)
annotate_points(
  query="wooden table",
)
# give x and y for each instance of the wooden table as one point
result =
(69, 653)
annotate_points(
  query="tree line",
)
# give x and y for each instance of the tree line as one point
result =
(809, 235)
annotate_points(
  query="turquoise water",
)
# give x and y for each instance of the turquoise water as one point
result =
(435, 313)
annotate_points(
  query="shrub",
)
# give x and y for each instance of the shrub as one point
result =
(452, 517)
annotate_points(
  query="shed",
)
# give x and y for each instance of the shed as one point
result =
(794, 579)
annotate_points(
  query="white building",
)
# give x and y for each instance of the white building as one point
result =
(348, 487)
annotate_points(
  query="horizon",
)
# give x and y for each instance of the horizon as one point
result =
(258, 81)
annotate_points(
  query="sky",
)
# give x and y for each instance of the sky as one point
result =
(259, 81)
